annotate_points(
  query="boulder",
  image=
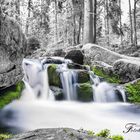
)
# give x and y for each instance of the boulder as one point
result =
(54, 77)
(13, 47)
(84, 92)
(93, 52)
(76, 56)
(56, 134)
(127, 70)
(83, 76)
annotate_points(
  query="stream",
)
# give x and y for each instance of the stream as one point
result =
(38, 108)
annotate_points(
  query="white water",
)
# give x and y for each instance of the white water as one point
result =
(37, 108)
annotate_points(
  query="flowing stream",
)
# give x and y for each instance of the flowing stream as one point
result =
(38, 107)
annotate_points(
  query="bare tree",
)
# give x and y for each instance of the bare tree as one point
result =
(135, 22)
(131, 26)
(90, 21)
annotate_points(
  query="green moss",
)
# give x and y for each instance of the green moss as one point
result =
(116, 137)
(109, 78)
(133, 91)
(90, 133)
(54, 78)
(5, 136)
(83, 77)
(11, 94)
(104, 133)
(85, 92)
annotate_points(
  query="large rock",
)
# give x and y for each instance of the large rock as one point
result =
(13, 48)
(127, 70)
(95, 53)
(56, 134)
(76, 56)
(84, 92)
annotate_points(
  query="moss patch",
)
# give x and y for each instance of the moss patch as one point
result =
(112, 78)
(83, 76)
(5, 136)
(10, 94)
(54, 77)
(133, 91)
(85, 92)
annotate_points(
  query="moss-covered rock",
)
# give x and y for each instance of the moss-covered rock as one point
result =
(54, 77)
(111, 78)
(10, 94)
(133, 91)
(85, 92)
(83, 76)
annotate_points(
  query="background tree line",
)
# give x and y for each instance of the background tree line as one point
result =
(70, 22)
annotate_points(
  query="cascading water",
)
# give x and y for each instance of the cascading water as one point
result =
(37, 107)
(36, 76)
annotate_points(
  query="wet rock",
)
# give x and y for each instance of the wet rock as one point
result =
(54, 76)
(76, 56)
(58, 93)
(83, 76)
(76, 66)
(56, 134)
(84, 92)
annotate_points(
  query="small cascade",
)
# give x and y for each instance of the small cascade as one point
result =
(36, 80)
(69, 81)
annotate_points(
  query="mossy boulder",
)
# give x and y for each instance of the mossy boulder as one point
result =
(9, 94)
(109, 77)
(133, 91)
(83, 76)
(54, 76)
(84, 92)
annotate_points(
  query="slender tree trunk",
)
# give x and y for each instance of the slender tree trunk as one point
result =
(27, 20)
(18, 10)
(131, 26)
(56, 21)
(108, 31)
(120, 19)
(79, 30)
(90, 21)
(135, 21)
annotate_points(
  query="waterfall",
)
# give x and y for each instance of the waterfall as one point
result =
(37, 82)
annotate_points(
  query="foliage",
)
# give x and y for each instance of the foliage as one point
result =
(117, 137)
(133, 91)
(11, 94)
(110, 78)
(104, 133)
(5, 136)
(90, 133)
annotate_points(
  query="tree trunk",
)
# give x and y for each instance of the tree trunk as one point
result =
(135, 22)
(18, 10)
(131, 26)
(108, 31)
(79, 30)
(120, 19)
(56, 29)
(90, 21)
(27, 20)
